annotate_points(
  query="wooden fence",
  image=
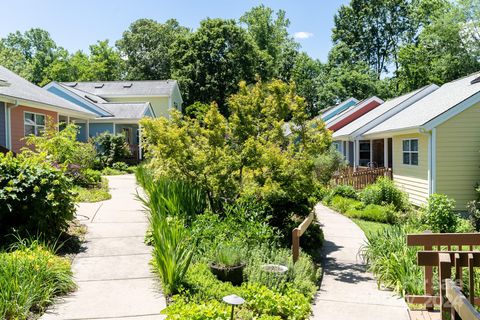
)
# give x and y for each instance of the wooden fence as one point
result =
(297, 233)
(361, 177)
(445, 251)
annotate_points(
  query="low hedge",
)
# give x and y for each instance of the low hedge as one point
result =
(356, 209)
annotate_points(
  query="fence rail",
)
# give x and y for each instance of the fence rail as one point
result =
(361, 177)
(447, 251)
(297, 233)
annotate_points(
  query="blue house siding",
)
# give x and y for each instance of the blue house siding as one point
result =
(82, 135)
(148, 113)
(339, 110)
(99, 128)
(78, 102)
(3, 125)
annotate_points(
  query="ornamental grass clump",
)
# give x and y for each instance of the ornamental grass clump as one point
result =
(31, 276)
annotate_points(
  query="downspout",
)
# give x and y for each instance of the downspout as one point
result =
(432, 137)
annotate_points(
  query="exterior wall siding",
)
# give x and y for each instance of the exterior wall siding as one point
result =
(17, 124)
(458, 156)
(99, 128)
(159, 104)
(411, 178)
(3, 125)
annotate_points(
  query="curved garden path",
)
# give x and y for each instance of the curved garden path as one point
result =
(113, 273)
(348, 291)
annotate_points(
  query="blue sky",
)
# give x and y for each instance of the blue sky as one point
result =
(77, 24)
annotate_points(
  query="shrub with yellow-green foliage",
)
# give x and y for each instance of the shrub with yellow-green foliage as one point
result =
(30, 278)
(249, 154)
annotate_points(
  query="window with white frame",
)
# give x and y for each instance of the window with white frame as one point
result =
(410, 152)
(34, 123)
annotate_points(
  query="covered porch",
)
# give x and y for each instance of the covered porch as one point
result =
(373, 153)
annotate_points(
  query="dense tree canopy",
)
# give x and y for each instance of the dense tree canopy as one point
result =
(146, 45)
(380, 47)
(210, 62)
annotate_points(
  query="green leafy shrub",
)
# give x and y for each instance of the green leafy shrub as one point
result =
(30, 278)
(373, 212)
(392, 261)
(326, 164)
(342, 204)
(61, 146)
(120, 166)
(439, 214)
(86, 178)
(35, 197)
(203, 290)
(344, 191)
(111, 148)
(473, 208)
(384, 191)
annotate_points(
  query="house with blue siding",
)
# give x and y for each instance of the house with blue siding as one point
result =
(118, 105)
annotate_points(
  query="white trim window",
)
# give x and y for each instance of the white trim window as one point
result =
(33, 123)
(410, 152)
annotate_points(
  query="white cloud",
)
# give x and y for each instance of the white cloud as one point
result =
(303, 35)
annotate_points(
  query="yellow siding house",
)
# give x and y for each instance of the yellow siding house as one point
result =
(436, 143)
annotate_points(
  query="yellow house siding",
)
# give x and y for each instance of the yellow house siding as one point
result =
(411, 179)
(159, 104)
(458, 156)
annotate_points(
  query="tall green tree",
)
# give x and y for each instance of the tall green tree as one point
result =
(342, 78)
(269, 31)
(374, 30)
(15, 61)
(210, 62)
(447, 48)
(305, 73)
(146, 46)
(105, 62)
(38, 48)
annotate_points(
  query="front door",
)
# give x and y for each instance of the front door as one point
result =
(378, 153)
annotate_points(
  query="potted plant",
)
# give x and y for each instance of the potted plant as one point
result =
(227, 265)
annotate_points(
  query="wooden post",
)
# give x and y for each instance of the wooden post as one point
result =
(444, 272)
(295, 244)
(471, 281)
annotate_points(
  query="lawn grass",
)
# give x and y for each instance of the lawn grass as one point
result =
(370, 227)
(93, 194)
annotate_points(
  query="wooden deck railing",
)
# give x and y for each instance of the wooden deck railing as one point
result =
(460, 306)
(360, 178)
(445, 251)
(297, 233)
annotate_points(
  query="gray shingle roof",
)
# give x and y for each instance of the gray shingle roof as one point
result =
(20, 88)
(431, 106)
(125, 110)
(126, 88)
(368, 118)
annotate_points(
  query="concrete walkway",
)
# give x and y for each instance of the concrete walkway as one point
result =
(347, 290)
(113, 273)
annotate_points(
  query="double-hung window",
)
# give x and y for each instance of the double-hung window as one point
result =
(410, 152)
(34, 123)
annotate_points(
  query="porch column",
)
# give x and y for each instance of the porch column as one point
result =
(385, 152)
(87, 130)
(371, 152)
(356, 152)
(347, 150)
(139, 142)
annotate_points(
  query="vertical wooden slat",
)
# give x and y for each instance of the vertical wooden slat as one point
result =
(471, 279)
(444, 272)
(428, 283)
